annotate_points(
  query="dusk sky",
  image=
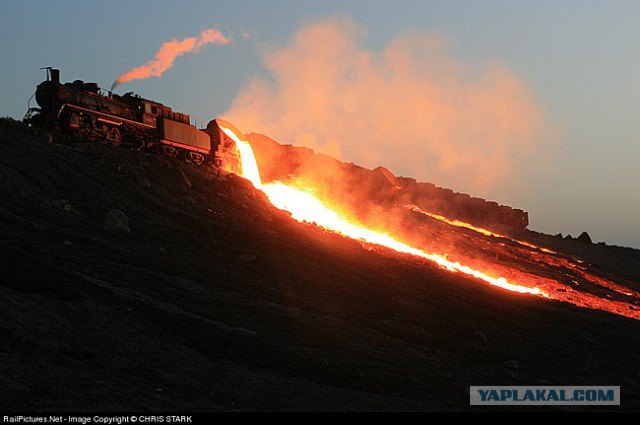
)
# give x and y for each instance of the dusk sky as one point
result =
(533, 104)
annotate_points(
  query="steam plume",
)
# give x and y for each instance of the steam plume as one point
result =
(410, 107)
(168, 52)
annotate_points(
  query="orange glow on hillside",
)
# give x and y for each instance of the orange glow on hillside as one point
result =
(458, 223)
(306, 207)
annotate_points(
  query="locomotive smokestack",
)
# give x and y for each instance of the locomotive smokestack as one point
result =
(55, 75)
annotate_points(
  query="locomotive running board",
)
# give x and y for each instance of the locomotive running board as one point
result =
(114, 119)
(107, 121)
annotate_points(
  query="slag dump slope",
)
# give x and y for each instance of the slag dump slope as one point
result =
(353, 185)
(145, 284)
(391, 205)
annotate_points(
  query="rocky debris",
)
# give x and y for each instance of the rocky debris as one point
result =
(330, 326)
(584, 238)
(189, 200)
(381, 172)
(512, 367)
(62, 205)
(249, 258)
(116, 221)
(127, 170)
(591, 363)
(143, 181)
(480, 339)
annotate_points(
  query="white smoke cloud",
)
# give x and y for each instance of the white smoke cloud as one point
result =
(410, 107)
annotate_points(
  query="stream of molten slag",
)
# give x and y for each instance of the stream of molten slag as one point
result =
(458, 223)
(305, 207)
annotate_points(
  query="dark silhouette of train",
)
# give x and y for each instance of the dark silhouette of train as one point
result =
(86, 110)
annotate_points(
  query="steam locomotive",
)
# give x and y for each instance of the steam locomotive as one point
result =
(92, 113)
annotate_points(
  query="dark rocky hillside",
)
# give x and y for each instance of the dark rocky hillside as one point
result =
(130, 281)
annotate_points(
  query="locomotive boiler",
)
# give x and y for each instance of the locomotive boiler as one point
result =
(86, 110)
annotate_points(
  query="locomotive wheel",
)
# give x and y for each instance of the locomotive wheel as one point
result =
(170, 151)
(192, 157)
(197, 158)
(114, 136)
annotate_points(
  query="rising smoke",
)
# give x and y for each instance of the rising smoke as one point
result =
(410, 107)
(168, 52)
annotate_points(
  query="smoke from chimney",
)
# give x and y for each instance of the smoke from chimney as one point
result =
(168, 52)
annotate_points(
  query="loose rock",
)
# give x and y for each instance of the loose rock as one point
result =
(480, 339)
(143, 181)
(247, 257)
(116, 221)
(584, 238)
(62, 205)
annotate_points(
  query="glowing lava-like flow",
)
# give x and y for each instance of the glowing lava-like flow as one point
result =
(304, 206)
(458, 223)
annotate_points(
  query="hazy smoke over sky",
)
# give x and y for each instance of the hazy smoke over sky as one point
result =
(410, 107)
(168, 52)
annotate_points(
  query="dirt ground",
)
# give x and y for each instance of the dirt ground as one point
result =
(132, 282)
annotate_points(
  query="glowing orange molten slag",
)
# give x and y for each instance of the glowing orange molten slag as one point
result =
(458, 223)
(306, 207)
